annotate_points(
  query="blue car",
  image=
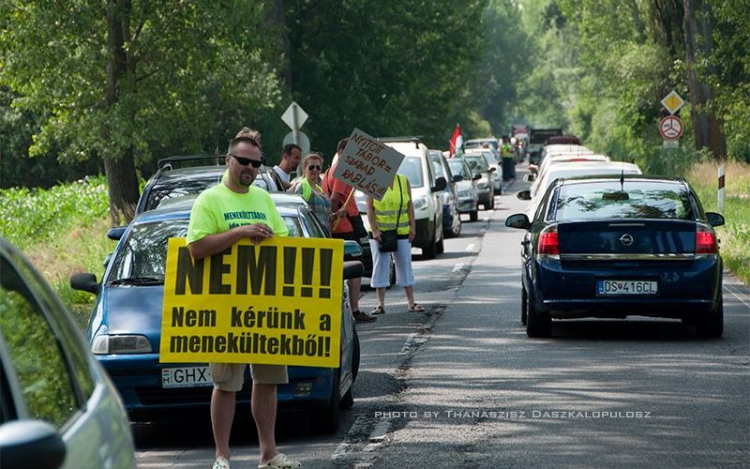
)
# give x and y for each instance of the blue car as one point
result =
(125, 327)
(621, 246)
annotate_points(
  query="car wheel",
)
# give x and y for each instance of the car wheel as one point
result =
(440, 246)
(347, 402)
(712, 326)
(355, 356)
(538, 324)
(474, 216)
(491, 205)
(392, 272)
(327, 419)
(430, 251)
(524, 305)
(456, 228)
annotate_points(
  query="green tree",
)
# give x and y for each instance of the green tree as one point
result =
(388, 67)
(116, 80)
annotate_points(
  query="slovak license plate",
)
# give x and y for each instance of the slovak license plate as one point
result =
(626, 287)
(185, 377)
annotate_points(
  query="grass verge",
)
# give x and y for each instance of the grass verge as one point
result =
(735, 234)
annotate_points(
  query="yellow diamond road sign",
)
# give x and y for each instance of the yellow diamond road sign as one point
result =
(673, 102)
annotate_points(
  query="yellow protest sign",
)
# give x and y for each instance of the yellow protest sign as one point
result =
(277, 302)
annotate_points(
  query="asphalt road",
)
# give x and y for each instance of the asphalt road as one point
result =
(463, 387)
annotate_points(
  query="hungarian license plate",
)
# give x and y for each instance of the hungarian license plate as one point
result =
(185, 377)
(626, 287)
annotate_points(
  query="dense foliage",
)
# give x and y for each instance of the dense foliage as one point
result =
(94, 85)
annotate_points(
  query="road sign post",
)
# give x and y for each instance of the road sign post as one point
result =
(671, 127)
(721, 190)
(295, 117)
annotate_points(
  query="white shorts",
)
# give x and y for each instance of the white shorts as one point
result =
(381, 265)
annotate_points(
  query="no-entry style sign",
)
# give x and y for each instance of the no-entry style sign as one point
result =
(671, 128)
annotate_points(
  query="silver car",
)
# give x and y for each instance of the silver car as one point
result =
(58, 408)
(468, 198)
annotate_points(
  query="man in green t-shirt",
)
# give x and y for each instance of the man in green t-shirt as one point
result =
(222, 215)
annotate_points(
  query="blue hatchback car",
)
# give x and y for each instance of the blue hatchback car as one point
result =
(125, 328)
(621, 246)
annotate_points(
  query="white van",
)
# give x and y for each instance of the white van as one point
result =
(425, 188)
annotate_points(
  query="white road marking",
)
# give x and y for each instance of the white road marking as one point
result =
(470, 247)
(458, 267)
(356, 429)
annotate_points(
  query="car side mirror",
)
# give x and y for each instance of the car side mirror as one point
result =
(458, 178)
(476, 177)
(353, 269)
(492, 169)
(116, 233)
(715, 219)
(24, 442)
(519, 220)
(440, 184)
(524, 195)
(529, 178)
(85, 281)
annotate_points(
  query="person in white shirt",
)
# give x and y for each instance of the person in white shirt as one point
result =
(290, 157)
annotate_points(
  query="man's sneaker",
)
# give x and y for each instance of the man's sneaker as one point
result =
(221, 463)
(280, 461)
(359, 316)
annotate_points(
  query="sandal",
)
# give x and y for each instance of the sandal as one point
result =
(221, 463)
(378, 310)
(416, 308)
(280, 461)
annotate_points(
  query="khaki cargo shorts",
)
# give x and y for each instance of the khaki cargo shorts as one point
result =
(231, 376)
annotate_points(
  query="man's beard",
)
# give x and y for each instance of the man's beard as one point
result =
(246, 179)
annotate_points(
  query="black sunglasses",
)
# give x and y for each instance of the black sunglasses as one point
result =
(247, 161)
(313, 167)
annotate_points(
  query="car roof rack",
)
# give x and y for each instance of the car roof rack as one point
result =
(167, 163)
(415, 139)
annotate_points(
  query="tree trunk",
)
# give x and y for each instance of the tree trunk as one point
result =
(708, 128)
(119, 167)
(276, 14)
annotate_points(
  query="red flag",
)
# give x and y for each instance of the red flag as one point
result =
(457, 143)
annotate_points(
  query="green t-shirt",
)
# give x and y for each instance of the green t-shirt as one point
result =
(219, 209)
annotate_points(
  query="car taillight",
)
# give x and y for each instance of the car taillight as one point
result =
(705, 241)
(549, 243)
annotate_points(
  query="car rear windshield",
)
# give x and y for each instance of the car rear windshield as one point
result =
(411, 167)
(477, 163)
(642, 199)
(458, 167)
(175, 188)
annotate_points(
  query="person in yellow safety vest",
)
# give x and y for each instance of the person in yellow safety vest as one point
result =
(506, 152)
(395, 212)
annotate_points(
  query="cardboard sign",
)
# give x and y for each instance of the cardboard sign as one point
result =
(277, 302)
(368, 165)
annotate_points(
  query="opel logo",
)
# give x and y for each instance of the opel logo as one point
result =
(626, 239)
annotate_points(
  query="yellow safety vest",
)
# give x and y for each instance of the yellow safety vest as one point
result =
(386, 210)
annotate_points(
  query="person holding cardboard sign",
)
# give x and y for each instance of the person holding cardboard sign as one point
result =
(221, 216)
(393, 228)
(347, 225)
